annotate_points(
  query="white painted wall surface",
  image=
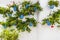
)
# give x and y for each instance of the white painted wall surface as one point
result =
(40, 32)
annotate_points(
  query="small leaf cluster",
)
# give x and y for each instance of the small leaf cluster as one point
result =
(55, 3)
(53, 18)
(9, 35)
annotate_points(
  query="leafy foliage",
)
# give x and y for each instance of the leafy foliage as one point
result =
(27, 8)
(9, 35)
(15, 19)
(55, 3)
(53, 18)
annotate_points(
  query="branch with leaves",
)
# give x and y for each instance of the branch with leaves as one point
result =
(16, 19)
(27, 8)
(52, 18)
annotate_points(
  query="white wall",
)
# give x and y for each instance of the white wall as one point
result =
(40, 32)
